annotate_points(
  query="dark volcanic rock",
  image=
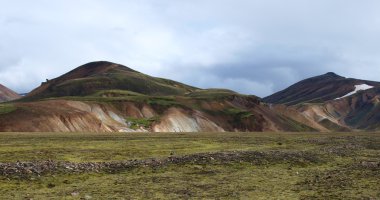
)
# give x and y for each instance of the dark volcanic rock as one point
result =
(26, 169)
(317, 89)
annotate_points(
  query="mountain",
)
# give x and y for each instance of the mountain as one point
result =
(332, 102)
(98, 76)
(318, 89)
(108, 97)
(360, 111)
(7, 94)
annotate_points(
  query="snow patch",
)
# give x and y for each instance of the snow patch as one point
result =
(357, 89)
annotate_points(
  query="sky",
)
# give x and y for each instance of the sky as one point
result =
(251, 46)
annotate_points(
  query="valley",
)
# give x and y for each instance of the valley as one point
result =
(189, 165)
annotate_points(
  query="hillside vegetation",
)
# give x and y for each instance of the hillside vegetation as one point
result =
(98, 76)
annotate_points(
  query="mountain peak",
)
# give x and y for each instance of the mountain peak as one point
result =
(332, 74)
(317, 89)
(97, 76)
(101, 66)
(94, 68)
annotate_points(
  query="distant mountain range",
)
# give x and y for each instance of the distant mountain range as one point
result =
(108, 97)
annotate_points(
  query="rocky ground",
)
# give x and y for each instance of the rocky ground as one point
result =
(38, 168)
(190, 166)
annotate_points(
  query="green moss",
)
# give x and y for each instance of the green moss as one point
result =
(336, 170)
(116, 93)
(167, 102)
(213, 94)
(294, 125)
(136, 123)
(241, 114)
(7, 108)
(112, 81)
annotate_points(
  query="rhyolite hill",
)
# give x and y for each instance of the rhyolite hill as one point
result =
(109, 97)
(7, 94)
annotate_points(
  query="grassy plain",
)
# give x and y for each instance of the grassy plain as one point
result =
(326, 166)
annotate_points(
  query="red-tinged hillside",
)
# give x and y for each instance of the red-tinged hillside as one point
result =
(7, 94)
(108, 97)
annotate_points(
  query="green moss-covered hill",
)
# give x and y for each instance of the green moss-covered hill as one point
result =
(97, 76)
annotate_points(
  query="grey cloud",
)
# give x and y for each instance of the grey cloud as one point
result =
(252, 46)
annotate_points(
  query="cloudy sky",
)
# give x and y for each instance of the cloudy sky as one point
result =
(251, 46)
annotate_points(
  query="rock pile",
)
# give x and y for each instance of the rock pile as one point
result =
(24, 169)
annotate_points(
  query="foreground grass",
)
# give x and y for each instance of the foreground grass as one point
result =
(82, 147)
(345, 166)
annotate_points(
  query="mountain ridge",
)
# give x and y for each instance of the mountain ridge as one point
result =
(108, 97)
(127, 101)
(317, 89)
